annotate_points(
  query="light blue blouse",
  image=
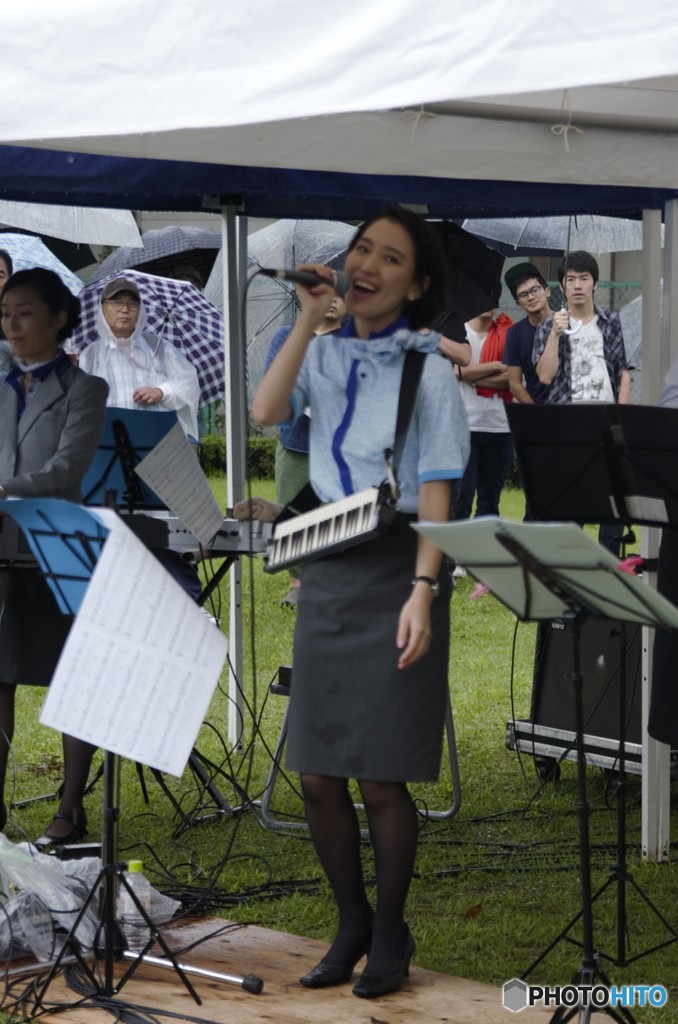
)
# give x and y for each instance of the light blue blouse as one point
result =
(351, 387)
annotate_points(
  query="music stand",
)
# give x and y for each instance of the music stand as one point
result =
(598, 463)
(67, 541)
(549, 570)
(127, 437)
(603, 463)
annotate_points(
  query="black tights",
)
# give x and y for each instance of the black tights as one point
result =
(334, 827)
(77, 760)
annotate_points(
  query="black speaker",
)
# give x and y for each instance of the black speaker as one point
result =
(600, 652)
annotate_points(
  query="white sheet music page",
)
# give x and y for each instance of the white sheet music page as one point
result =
(172, 470)
(141, 662)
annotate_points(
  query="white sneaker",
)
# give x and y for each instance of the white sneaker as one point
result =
(459, 571)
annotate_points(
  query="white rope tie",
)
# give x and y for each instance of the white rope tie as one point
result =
(416, 116)
(565, 129)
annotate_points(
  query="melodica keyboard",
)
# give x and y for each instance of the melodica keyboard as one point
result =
(330, 528)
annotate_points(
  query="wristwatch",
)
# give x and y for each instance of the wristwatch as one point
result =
(434, 586)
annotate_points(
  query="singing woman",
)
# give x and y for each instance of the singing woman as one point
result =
(372, 636)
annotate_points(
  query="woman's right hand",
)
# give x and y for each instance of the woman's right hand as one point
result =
(316, 301)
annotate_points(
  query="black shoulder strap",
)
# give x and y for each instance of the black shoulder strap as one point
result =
(409, 383)
(413, 366)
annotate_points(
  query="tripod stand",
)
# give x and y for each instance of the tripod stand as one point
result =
(610, 464)
(128, 437)
(68, 542)
(553, 571)
(620, 877)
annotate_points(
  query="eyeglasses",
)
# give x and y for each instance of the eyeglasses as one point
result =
(122, 304)
(530, 293)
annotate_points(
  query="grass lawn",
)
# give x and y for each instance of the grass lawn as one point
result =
(494, 884)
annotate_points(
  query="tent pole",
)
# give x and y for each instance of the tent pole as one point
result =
(655, 763)
(234, 256)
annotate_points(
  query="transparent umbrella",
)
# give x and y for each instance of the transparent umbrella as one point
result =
(93, 225)
(631, 316)
(29, 251)
(272, 304)
(525, 235)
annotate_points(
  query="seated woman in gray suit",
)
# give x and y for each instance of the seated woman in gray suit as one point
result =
(51, 417)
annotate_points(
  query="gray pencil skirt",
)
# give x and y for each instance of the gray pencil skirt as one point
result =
(353, 713)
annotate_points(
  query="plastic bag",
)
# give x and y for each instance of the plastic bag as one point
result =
(60, 887)
(24, 869)
(26, 926)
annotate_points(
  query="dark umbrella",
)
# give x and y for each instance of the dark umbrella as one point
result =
(177, 312)
(165, 252)
(472, 279)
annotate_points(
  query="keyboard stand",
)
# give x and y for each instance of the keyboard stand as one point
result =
(269, 820)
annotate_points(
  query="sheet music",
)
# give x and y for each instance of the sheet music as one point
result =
(172, 470)
(587, 572)
(141, 662)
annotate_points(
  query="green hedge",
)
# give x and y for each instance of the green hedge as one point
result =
(260, 456)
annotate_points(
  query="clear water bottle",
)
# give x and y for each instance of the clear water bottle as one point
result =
(135, 929)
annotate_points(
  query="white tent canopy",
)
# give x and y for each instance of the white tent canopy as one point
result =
(425, 88)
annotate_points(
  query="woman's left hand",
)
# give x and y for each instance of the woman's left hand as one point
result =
(147, 396)
(414, 627)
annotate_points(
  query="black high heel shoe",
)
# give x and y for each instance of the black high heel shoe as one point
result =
(371, 986)
(78, 830)
(325, 974)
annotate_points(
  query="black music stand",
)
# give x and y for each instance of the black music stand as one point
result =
(613, 464)
(598, 463)
(67, 540)
(543, 571)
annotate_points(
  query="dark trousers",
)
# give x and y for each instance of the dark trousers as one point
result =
(488, 466)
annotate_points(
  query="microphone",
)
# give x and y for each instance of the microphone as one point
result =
(338, 279)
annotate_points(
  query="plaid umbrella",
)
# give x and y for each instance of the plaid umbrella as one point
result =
(177, 312)
(164, 251)
(27, 251)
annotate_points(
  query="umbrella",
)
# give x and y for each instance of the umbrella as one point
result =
(472, 279)
(93, 225)
(631, 316)
(272, 304)
(29, 251)
(70, 231)
(525, 235)
(176, 312)
(164, 251)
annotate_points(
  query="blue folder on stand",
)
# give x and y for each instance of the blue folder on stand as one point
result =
(66, 541)
(128, 436)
